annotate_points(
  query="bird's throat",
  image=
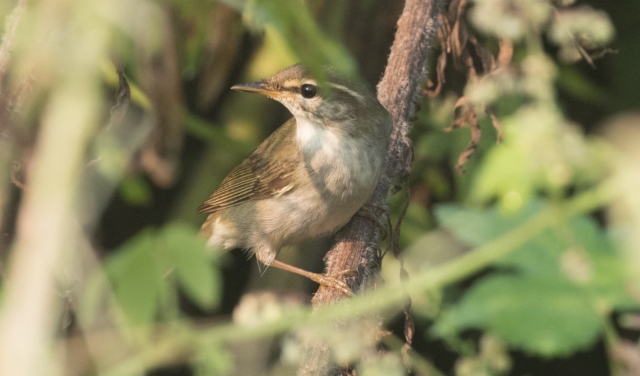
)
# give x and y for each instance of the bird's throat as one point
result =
(312, 137)
(343, 165)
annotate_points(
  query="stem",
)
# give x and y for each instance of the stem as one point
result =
(30, 306)
(379, 300)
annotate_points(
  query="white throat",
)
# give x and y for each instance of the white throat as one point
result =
(314, 137)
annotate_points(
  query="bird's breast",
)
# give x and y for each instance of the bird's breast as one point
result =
(338, 164)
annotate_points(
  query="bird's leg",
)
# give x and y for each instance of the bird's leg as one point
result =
(320, 279)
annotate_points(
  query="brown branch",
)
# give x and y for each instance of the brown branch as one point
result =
(356, 245)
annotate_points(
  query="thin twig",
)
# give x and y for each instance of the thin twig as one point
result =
(181, 340)
(30, 308)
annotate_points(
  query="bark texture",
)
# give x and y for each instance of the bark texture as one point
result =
(356, 245)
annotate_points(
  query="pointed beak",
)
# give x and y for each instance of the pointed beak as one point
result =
(254, 87)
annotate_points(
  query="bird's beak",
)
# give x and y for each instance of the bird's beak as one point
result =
(255, 87)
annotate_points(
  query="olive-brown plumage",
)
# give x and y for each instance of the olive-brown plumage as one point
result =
(263, 174)
(310, 176)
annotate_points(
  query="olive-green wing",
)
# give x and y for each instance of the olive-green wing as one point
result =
(267, 172)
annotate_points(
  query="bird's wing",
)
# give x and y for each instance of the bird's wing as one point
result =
(258, 177)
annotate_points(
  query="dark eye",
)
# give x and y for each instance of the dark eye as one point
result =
(308, 91)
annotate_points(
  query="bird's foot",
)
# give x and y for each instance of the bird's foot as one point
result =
(333, 281)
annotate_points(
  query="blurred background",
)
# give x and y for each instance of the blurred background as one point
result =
(117, 122)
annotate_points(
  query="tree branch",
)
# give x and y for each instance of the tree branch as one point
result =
(356, 245)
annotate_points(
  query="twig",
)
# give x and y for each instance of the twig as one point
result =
(178, 340)
(356, 244)
(30, 307)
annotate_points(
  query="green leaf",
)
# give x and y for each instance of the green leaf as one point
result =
(294, 21)
(502, 174)
(134, 275)
(476, 227)
(547, 317)
(573, 82)
(570, 277)
(195, 272)
(580, 253)
(608, 281)
(539, 256)
(140, 272)
(212, 360)
(577, 251)
(135, 191)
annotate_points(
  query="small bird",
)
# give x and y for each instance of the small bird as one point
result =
(310, 176)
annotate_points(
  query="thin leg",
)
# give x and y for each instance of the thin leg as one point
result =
(321, 279)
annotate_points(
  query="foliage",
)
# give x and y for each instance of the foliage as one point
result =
(535, 246)
(557, 290)
(147, 272)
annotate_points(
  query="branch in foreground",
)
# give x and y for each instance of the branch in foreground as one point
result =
(176, 340)
(356, 244)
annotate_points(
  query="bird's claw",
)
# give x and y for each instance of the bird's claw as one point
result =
(334, 282)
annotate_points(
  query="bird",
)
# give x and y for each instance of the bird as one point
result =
(310, 176)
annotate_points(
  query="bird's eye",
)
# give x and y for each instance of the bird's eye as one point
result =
(308, 91)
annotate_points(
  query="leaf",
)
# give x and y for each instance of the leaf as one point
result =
(212, 360)
(554, 253)
(608, 284)
(134, 275)
(547, 317)
(195, 272)
(539, 256)
(503, 174)
(569, 279)
(578, 86)
(476, 227)
(135, 191)
(139, 272)
(295, 22)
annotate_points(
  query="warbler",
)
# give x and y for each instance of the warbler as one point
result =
(310, 176)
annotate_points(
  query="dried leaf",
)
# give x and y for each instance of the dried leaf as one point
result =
(409, 329)
(471, 119)
(458, 39)
(440, 67)
(485, 55)
(505, 54)
(458, 123)
(496, 124)
(605, 51)
(465, 51)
